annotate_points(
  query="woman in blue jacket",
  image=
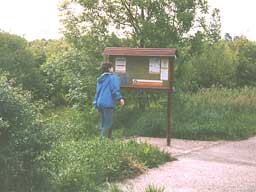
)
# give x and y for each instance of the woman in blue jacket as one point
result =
(107, 95)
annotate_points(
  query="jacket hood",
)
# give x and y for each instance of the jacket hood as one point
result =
(103, 77)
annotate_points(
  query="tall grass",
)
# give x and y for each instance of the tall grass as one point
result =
(215, 113)
(209, 114)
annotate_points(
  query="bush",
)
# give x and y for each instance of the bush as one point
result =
(208, 67)
(21, 139)
(70, 78)
(86, 165)
(18, 61)
(66, 124)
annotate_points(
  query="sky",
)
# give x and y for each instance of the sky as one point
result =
(37, 19)
(237, 17)
(33, 19)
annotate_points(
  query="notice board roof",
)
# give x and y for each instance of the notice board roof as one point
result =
(122, 51)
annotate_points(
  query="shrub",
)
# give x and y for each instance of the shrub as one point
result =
(66, 124)
(21, 139)
(18, 61)
(70, 78)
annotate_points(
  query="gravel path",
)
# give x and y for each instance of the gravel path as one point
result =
(201, 167)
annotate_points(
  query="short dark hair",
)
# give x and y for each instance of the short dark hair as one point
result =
(106, 66)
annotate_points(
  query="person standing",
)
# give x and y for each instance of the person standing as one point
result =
(107, 95)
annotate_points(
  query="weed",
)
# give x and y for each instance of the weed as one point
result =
(152, 188)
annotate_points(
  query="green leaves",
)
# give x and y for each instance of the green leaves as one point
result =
(86, 165)
(149, 23)
(71, 78)
(247, 62)
(21, 138)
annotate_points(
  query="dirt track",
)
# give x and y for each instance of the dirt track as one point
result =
(202, 167)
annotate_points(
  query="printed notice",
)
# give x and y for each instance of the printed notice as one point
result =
(164, 69)
(154, 65)
(120, 65)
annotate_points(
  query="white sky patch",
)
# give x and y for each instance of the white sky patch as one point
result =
(237, 17)
(33, 19)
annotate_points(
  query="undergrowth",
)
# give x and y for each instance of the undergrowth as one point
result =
(209, 114)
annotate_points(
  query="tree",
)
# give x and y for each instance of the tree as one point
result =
(150, 23)
(45, 49)
(215, 65)
(228, 37)
(17, 60)
(246, 69)
(212, 29)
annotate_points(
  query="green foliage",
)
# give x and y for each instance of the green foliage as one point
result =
(85, 165)
(149, 23)
(149, 123)
(215, 65)
(209, 114)
(114, 188)
(215, 113)
(152, 188)
(81, 161)
(71, 78)
(43, 50)
(70, 124)
(21, 140)
(143, 115)
(18, 61)
(212, 29)
(246, 69)
(229, 63)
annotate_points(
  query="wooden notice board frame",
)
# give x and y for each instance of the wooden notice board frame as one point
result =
(149, 69)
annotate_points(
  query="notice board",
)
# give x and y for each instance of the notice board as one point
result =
(142, 67)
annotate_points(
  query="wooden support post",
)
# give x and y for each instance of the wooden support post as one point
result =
(169, 103)
(169, 123)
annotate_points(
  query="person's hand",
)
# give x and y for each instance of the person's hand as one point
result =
(122, 102)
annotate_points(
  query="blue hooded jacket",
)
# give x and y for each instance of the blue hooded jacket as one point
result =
(107, 91)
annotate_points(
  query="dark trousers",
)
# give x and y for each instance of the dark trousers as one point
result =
(106, 116)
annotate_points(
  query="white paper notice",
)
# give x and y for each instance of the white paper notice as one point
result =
(120, 65)
(164, 69)
(154, 65)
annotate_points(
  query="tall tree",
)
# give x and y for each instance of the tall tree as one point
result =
(150, 23)
(246, 69)
(212, 28)
(16, 59)
(228, 37)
